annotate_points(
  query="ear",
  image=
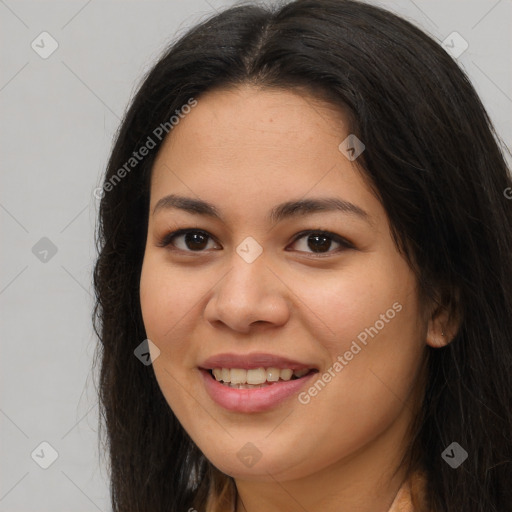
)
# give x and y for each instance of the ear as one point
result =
(443, 323)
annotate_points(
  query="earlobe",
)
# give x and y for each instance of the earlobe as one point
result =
(443, 316)
(442, 327)
(437, 337)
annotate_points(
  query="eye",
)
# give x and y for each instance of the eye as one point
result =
(320, 241)
(193, 240)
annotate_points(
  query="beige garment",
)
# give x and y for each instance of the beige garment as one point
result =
(411, 496)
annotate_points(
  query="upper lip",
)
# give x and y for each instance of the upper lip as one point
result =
(254, 360)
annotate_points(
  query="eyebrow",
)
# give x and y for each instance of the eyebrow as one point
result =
(282, 211)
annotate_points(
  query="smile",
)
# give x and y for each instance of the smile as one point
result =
(241, 378)
(254, 390)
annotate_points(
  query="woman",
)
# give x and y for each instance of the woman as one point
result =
(304, 227)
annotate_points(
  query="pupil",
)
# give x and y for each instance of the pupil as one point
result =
(325, 245)
(197, 240)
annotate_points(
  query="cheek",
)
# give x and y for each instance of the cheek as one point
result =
(374, 315)
(353, 303)
(167, 297)
(369, 319)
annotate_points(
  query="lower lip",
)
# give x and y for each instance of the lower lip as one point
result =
(252, 400)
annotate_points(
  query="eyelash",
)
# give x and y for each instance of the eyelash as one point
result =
(166, 241)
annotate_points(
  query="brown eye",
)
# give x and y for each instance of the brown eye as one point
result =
(189, 240)
(320, 242)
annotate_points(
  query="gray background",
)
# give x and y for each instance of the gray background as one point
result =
(58, 117)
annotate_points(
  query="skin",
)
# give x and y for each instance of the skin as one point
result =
(245, 150)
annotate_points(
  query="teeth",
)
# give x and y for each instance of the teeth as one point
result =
(257, 376)
(226, 375)
(238, 376)
(286, 374)
(273, 374)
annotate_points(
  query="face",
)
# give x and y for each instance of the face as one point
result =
(254, 285)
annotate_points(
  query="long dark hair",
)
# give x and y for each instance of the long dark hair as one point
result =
(436, 163)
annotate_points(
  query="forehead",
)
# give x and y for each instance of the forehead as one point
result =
(248, 119)
(262, 143)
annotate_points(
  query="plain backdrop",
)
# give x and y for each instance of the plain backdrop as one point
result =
(58, 117)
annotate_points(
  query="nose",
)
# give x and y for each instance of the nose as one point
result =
(248, 294)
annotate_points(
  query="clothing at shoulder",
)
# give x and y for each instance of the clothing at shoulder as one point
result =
(411, 497)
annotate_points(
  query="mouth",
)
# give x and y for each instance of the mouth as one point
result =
(255, 390)
(255, 378)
